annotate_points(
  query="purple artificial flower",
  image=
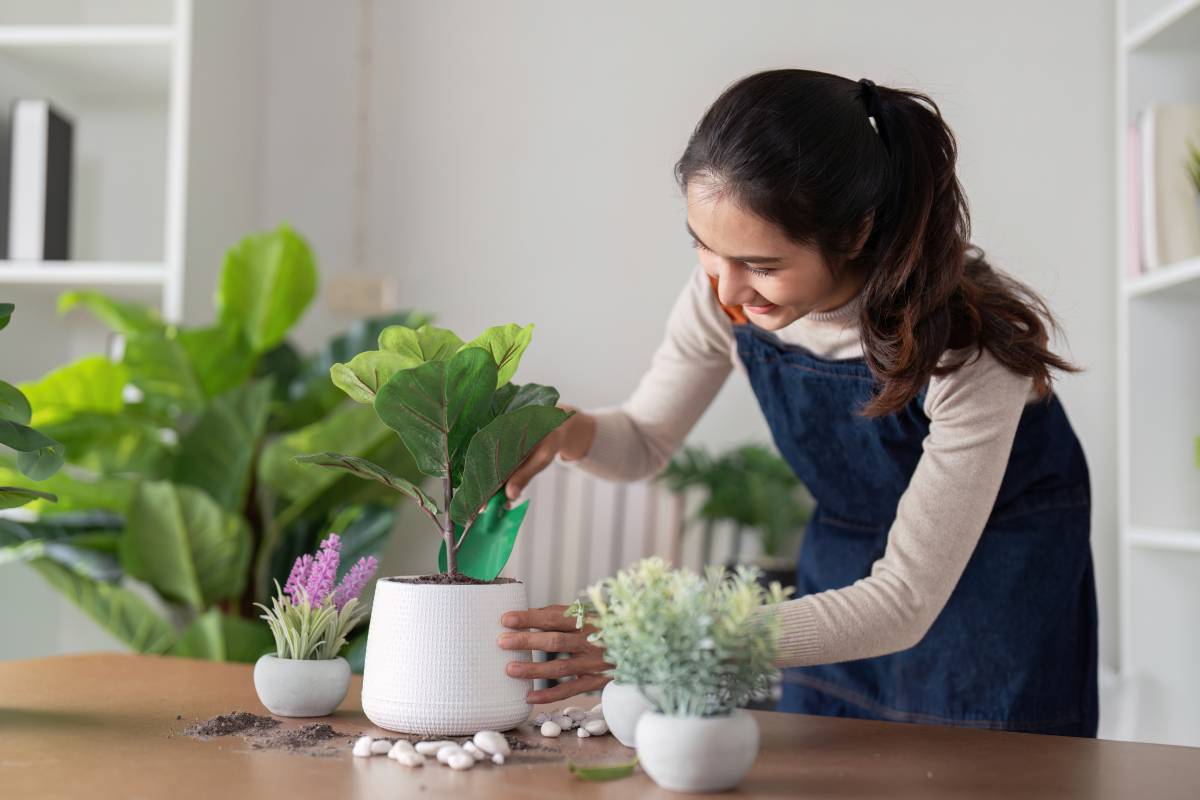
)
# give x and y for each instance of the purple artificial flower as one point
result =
(323, 574)
(353, 581)
(298, 577)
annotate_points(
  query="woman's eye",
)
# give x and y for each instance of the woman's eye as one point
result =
(696, 244)
(756, 271)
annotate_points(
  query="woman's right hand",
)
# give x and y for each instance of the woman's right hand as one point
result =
(570, 441)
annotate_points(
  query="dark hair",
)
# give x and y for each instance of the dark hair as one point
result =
(796, 148)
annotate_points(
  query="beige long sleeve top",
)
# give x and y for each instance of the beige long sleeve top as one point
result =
(973, 414)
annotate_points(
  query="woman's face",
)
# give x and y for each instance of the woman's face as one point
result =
(774, 280)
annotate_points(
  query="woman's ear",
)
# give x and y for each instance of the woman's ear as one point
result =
(864, 233)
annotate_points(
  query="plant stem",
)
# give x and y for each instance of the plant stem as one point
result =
(448, 531)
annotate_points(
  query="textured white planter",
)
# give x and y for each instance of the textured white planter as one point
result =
(697, 754)
(290, 687)
(623, 706)
(433, 665)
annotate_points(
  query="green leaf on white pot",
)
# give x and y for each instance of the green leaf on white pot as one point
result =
(367, 372)
(512, 397)
(215, 636)
(506, 343)
(179, 540)
(437, 407)
(426, 343)
(496, 452)
(490, 540)
(365, 469)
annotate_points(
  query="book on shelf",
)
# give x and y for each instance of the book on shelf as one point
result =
(1169, 220)
(39, 170)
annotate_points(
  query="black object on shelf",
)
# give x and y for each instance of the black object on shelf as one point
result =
(39, 171)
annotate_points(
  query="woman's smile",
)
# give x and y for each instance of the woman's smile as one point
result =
(764, 309)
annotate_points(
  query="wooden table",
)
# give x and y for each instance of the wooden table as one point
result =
(99, 726)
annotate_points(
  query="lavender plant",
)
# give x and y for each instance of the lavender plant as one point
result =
(312, 615)
(700, 642)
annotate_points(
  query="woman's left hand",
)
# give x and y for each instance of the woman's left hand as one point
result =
(558, 634)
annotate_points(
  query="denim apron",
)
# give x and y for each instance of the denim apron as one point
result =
(1015, 646)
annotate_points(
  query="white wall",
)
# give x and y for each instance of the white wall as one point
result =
(521, 157)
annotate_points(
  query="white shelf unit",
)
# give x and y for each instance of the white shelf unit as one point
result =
(1158, 382)
(125, 85)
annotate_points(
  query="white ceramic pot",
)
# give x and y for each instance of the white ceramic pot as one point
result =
(622, 706)
(433, 665)
(697, 754)
(291, 687)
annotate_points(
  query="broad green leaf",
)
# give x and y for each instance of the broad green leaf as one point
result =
(426, 343)
(182, 543)
(365, 469)
(13, 405)
(119, 315)
(74, 492)
(92, 384)
(159, 365)
(437, 407)
(267, 282)
(506, 343)
(511, 397)
(217, 453)
(73, 547)
(110, 443)
(352, 428)
(496, 452)
(367, 372)
(15, 496)
(6, 311)
(38, 456)
(220, 357)
(489, 541)
(215, 636)
(118, 610)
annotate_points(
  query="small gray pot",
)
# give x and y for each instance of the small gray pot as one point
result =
(291, 687)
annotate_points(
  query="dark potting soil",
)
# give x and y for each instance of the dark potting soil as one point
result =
(310, 736)
(444, 579)
(228, 724)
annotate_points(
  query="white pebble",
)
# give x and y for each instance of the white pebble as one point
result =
(446, 753)
(540, 718)
(475, 752)
(596, 727)
(401, 746)
(575, 712)
(460, 760)
(551, 728)
(409, 758)
(597, 709)
(582, 733)
(565, 722)
(498, 758)
(362, 748)
(380, 746)
(432, 748)
(491, 743)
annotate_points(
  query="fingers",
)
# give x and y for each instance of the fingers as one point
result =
(557, 668)
(549, 641)
(584, 683)
(534, 463)
(548, 618)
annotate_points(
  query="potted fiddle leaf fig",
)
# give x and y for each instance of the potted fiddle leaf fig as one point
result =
(467, 427)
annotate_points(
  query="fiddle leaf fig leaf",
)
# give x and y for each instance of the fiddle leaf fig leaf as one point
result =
(506, 343)
(365, 469)
(367, 372)
(267, 282)
(426, 343)
(437, 407)
(496, 452)
(511, 397)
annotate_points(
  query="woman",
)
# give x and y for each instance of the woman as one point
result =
(946, 575)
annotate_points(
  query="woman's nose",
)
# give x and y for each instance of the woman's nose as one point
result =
(732, 289)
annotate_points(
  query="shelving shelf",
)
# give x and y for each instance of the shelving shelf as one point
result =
(1157, 55)
(88, 60)
(82, 273)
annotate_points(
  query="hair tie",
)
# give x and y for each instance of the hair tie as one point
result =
(869, 95)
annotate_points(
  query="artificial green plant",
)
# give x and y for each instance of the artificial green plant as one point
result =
(180, 502)
(465, 424)
(38, 455)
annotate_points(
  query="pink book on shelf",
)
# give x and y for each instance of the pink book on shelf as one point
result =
(1133, 198)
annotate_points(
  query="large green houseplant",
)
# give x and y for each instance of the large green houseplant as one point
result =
(180, 501)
